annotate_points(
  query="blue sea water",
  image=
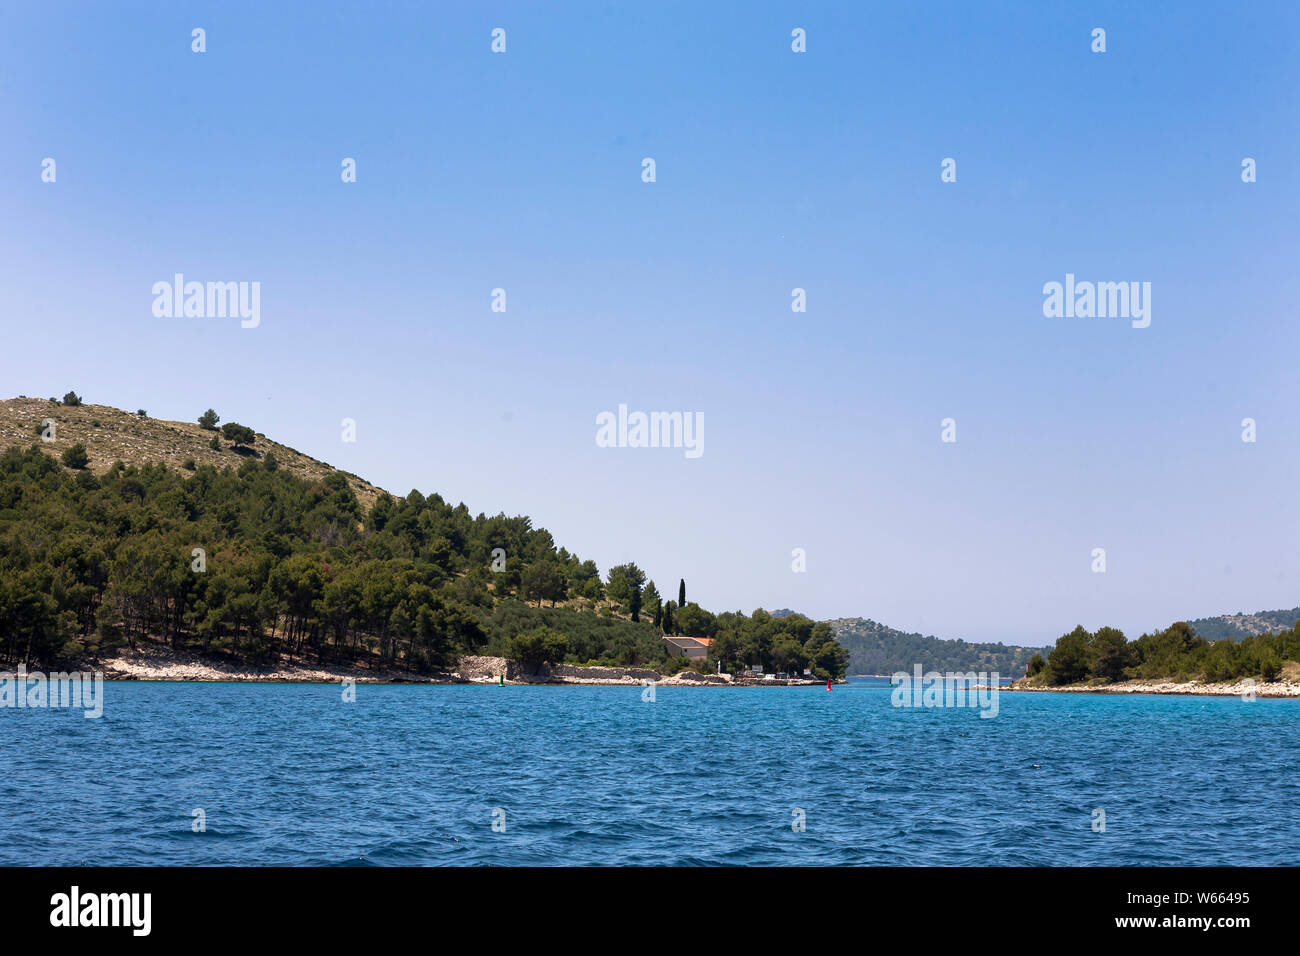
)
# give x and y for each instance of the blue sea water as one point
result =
(289, 774)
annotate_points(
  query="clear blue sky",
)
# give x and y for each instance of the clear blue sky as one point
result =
(775, 170)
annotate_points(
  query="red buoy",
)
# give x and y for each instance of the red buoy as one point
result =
(828, 683)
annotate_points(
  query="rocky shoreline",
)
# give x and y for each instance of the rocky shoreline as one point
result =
(1280, 688)
(162, 664)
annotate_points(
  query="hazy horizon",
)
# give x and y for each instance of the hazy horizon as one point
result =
(775, 170)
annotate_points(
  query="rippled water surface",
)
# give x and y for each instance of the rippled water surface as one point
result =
(289, 774)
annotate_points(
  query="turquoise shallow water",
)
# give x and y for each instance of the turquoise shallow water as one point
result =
(289, 774)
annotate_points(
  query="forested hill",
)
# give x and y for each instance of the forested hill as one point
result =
(1238, 626)
(876, 649)
(117, 529)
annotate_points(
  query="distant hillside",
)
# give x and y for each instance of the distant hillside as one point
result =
(876, 649)
(1237, 626)
(112, 435)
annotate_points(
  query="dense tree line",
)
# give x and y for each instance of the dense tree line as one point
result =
(588, 638)
(1175, 653)
(786, 644)
(254, 563)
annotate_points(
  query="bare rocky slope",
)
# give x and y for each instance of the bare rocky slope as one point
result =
(112, 435)
(1240, 625)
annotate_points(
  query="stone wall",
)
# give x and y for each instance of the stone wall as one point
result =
(629, 674)
(484, 670)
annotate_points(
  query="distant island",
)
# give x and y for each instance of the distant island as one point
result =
(123, 536)
(876, 649)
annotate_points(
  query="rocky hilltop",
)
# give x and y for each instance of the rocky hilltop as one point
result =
(1237, 626)
(111, 435)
